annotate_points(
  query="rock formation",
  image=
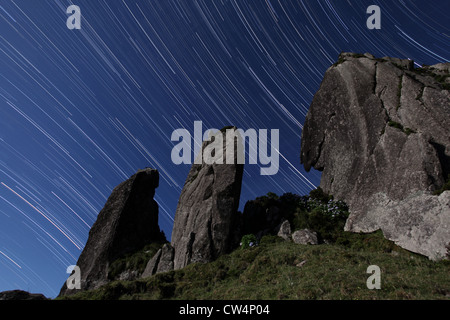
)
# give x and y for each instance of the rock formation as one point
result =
(128, 221)
(14, 295)
(379, 129)
(305, 236)
(206, 218)
(284, 230)
(162, 261)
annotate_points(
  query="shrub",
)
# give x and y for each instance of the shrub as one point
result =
(249, 240)
(271, 199)
(321, 214)
(320, 195)
(135, 261)
(269, 239)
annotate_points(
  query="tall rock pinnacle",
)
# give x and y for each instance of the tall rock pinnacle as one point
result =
(128, 221)
(206, 218)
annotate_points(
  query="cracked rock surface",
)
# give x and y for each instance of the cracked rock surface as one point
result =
(206, 219)
(127, 222)
(379, 129)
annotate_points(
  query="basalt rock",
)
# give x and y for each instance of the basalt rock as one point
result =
(379, 129)
(206, 220)
(128, 221)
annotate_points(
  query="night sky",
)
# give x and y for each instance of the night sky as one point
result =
(83, 110)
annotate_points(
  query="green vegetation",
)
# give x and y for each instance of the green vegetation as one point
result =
(136, 261)
(320, 213)
(358, 55)
(317, 211)
(248, 241)
(340, 60)
(445, 187)
(270, 271)
(399, 126)
(445, 86)
(440, 78)
(395, 125)
(408, 131)
(277, 269)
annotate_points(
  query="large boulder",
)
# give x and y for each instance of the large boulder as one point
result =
(128, 221)
(379, 129)
(206, 219)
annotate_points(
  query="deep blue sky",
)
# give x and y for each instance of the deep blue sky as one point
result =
(83, 110)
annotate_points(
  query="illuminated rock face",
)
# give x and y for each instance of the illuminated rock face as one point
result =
(206, 220)
(128, 221)
(379, 129)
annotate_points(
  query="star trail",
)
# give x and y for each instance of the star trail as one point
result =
(83, 110)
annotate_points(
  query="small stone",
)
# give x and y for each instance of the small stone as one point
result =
(152, 265)
(301, 264)
(284, 230)
(305, 236)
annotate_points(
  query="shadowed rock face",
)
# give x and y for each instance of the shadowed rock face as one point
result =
(206, 219)
(380, 132)
(128, 221)
(14, 295)
(162, 261)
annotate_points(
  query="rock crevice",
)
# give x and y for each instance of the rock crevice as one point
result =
(383, 146)
(206, 218)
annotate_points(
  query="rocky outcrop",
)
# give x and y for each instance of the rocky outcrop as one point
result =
(128, 221)
(419, 223)
(206, 219)
(379, 129)
(20, 295)
(162, 261)
(305, 236)
(284, 230)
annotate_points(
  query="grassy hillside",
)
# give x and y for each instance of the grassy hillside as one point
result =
(277, 269)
